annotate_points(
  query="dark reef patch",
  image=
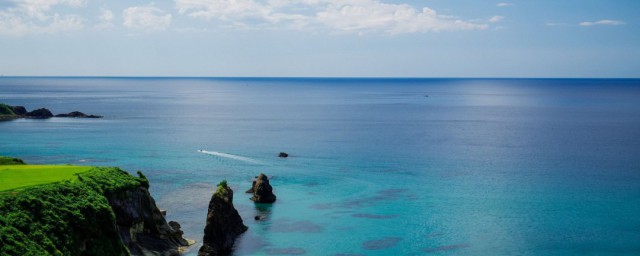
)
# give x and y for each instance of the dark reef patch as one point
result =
(380, 244)
(286, 251)
(326, 206)
(250, 244)
(380, 196)
(445, 248)
(289, 226)
(374, 216)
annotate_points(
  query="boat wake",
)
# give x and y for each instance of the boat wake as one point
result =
(230, 156)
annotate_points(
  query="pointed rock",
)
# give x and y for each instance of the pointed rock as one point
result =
(224, 224)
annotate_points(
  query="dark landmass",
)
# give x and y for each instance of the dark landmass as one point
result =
(39, 113)
(77, 114)
(10, 161)
(19, 110)
(283, 155)
(224, 224)
(12, 112)
(106, 211)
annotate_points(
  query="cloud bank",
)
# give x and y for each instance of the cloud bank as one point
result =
(146, 17)
(602, 22)
(35, 17)
(361, 16)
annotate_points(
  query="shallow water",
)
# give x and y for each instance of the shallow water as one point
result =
(376, 166)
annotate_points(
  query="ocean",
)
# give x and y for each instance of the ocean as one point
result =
(376, 166)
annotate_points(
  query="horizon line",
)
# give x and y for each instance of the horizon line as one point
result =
(309, 77)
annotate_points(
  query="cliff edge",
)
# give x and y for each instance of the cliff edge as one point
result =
(103, 211)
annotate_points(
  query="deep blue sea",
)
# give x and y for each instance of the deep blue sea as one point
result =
(376, 166)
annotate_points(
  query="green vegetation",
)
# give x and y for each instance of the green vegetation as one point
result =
(20, 176)
(221, 186)
(69, 217)
(10, 160)
(6, 110)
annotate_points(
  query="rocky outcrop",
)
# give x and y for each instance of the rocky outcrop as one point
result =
(262, 190)
(283, 155)
(12, 112)
(77, 114)
(19, 110)
(39, 113)
(224, 224)
(141, 225)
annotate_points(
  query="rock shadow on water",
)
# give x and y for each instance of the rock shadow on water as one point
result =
(380, 244)
(291, 226)
(285, 251)
(445, 248)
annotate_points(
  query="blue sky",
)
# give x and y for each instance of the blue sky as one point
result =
(320, 38)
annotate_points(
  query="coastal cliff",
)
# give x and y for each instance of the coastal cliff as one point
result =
(106, 211)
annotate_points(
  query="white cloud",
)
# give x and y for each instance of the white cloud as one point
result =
(495, 19)
(504, 4)
(146, 17)
(361, 16)
(35, 17)
(39, 8)
(106, 19)
(602, 22)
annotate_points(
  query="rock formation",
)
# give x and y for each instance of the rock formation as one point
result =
(141, 225)
(77, 114)
(224, 224)
(19, 110)
(283, 155)
(262, 190)
(39, 113)
(12, 112)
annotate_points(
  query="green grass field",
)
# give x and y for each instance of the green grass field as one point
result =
(20, 176)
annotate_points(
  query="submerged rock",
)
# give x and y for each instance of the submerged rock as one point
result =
(262, 190)
(39, 113)
(283, 155)
(78, 114)
(224, 224)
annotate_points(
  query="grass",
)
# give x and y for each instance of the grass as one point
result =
(21, 176)
(64, 218)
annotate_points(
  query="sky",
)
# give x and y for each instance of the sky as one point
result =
(321, 38)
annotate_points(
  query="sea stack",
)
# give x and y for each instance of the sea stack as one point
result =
(262, 190)
(224, 224)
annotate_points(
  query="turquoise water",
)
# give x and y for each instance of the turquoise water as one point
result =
(377, 166)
